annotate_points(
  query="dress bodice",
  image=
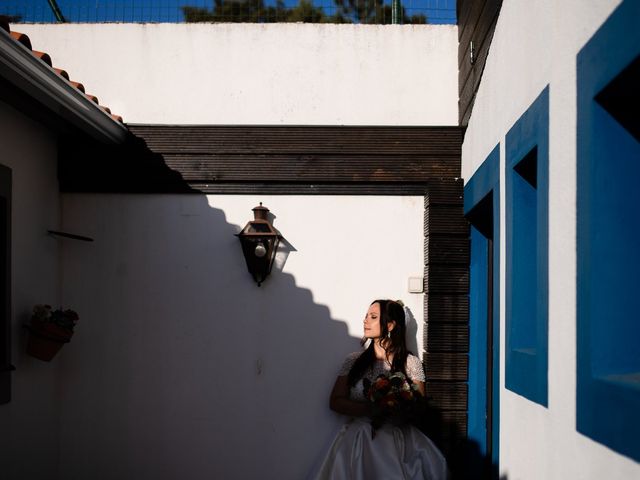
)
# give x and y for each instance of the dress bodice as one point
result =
(413, 368)
(393, 452)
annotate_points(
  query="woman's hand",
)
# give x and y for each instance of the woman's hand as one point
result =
(341, 403)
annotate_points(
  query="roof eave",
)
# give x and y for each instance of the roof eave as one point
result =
(20, 67)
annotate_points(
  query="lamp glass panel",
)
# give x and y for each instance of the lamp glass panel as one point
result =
(258, 228)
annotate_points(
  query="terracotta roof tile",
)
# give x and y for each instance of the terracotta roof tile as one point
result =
(62, 73)
(78, 85)
(22, 38)
(45, 58)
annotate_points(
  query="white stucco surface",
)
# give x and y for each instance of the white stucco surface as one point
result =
(29, 423)
(535, 45)
(182, 367)
(306, 74)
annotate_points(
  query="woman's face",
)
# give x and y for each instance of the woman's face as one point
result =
(372, 322)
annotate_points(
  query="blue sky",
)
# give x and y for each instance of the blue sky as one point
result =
(438, 11)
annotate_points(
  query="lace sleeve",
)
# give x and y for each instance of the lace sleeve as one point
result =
(414, 369)
(348, 363)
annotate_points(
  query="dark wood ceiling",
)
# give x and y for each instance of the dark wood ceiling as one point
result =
(476, 23)
(272, 159)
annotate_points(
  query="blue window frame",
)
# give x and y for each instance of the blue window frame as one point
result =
(527, 239)
(608, 233)
(482, 209)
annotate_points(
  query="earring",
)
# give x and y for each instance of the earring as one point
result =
(389, 334)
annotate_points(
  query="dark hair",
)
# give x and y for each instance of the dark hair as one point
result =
(394, 342)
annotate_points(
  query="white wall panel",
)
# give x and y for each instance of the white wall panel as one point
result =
(305, 74)
(29, 423)
(536, 44)
(182, 366)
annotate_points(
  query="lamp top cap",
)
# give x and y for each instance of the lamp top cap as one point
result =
(260, 212)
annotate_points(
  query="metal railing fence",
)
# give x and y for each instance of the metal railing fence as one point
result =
(257, 11)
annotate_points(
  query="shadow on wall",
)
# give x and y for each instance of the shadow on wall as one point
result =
(468, 463)
(464, 456)
(412, 331)
(182, 367)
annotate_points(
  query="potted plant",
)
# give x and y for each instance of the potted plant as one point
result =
(49, 330)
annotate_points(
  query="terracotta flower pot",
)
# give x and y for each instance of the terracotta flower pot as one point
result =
(46, 340)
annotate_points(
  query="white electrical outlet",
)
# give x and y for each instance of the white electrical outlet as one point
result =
(416, 284)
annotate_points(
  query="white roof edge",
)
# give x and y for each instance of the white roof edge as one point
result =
(29, 73)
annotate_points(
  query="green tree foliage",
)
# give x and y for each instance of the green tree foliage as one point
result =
(372, 11)
(255, 11)
(306, 12)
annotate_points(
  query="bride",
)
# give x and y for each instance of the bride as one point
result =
(394, 452)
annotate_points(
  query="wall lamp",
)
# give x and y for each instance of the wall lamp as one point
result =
(259, 242)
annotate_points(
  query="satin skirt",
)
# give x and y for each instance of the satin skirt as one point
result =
(402, 453)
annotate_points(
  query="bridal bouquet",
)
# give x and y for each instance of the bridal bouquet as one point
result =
(395, 399)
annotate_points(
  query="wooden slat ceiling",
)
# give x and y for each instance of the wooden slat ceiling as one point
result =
(299, 139)
(241, 159)
(208, 154)
(476, 23)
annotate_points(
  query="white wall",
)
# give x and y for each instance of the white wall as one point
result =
(306, 74)
(536, 44)
(182, 367)
(29, 423)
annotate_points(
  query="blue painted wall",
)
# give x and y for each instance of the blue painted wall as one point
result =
(484, 186)
(608, 237)
(477, 410)
(527, 239)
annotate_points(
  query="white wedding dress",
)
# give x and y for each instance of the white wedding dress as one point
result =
(402, 453)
